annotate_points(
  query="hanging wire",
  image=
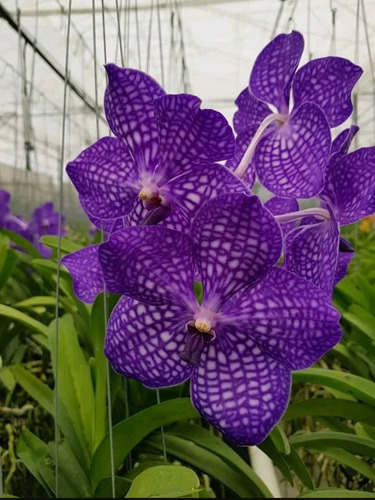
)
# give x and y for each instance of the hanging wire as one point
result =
(332, 48)
(277, 20)
(290, 20)
(160, 44)
(61, 192)
(95, 70)
(364, 19)
(185, 72)
(356, 60)
(105, 313)
(119, 34)
(138, 34)
(162, 429)
(149, 37)
(309, 29)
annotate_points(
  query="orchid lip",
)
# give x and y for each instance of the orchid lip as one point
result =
(197, 337)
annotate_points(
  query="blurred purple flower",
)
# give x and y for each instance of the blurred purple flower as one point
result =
(290, 148)
(255, 324)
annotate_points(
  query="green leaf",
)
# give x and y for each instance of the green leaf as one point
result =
(208, 462)
(210, 442)
(346, 458)
(43, 300)
(299, 468)
(104, 488)
(337, 493)
(34, 387)
(165, 481)
(8, 262)
(75, 383)
(131, 431)
(350, 410)
(7, 378)
(360, 388)
(269, 448)
(280, 440)
(98, 334)
(20, 317)
(70, 467)
(21, 242)
(361, 319)
(67, 246)
(34, 453)
(327, 439)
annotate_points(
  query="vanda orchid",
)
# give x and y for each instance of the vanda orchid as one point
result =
(173, 216)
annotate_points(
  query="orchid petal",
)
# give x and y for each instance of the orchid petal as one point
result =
(189, 135)
(236, 240)
(105, 177)
(148, 263)
(328, 82)
(290, 159)
(143, 342)
(312, 251)
(274, 68)
(279, 206)
(290, 319)
(129, 108)
(240, 390)
(251, 111)
(350, 183)
(86, 271)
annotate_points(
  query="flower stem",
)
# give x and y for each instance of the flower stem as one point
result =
(322, 213)
(244, 163)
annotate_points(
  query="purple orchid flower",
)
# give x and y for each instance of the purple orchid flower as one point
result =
(289, 149)
(314, 250)
(44, 221)
(159, 168)
(255, 324)
(4, 206)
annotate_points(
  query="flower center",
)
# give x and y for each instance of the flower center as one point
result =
(199, 333)
(150, 197)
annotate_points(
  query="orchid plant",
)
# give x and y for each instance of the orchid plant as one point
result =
(43, 221)
(174, 218)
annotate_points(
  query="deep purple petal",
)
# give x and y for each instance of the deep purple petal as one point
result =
(236, 240)
(4, 197)
(342, 142)
(350, 185)
(243, 140)
(346, 253)
(311, 252)
(105, 177)
(143, 342)
(108, 225)
(190, 190)
(328, 82)
(240, 391)
(18, 225)
(290, 159)
(279, 206)
(251, 112)
(129, 108)
(289, 318)
(86, 271)
(274, 68)
(148, 263)
(176, 219)
(189, 135)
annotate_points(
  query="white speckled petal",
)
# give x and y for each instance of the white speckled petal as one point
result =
(289, 318)
(240, 390)
(290, 159)
(152, 264)
(236, 240)
(86, 271)
(143, 342)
